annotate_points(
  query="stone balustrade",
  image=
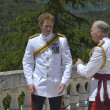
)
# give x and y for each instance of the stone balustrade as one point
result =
(13, 83)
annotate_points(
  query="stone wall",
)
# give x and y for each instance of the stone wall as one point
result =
(13, 83)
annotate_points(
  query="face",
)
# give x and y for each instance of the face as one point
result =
(95, 33)
(47, 27)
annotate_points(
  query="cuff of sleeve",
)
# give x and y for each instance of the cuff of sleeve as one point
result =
(29, 81)
(65, 81)
(78, 66)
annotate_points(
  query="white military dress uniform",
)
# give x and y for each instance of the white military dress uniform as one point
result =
(50, 68)
(93, 66)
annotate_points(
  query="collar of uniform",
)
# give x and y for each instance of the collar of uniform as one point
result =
(103, 39)
(106, 38)
(47, 38)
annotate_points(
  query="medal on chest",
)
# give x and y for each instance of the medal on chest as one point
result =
(55, 48)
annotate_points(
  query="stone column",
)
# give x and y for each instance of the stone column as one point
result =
(74, 97)
(82, 94)
(66, 100)
(14, 98)
(1, 98)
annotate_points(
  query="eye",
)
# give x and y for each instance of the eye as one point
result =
(48, 26)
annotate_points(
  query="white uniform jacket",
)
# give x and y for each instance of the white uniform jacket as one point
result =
(50, 68)
(93, 66)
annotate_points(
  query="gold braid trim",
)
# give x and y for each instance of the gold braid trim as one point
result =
(61, 35)
(33, 36)
(103, 53)
(46, 46)
(91, 51)
(104, 57)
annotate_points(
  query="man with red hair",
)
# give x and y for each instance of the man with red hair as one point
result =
(47, 65)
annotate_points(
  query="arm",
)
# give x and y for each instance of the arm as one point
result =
(28, 63)
(93, 65)
(67, 66)
(28, 66)
(66, 62)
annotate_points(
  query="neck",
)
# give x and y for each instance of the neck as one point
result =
(45, 34)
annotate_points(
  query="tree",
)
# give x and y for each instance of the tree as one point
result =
(75, 26)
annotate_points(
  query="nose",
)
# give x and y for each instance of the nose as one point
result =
(48, 27)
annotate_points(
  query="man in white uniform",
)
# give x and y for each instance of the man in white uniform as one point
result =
(98, 67)
(47, 65)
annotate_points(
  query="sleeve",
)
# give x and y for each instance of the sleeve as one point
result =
(28, 63)
(66, 62)
(93, 65)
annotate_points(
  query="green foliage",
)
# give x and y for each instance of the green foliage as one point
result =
(6, 102)
(20, 21)
(24, 22)
(11, 60)
(21, 99)
(9, 10)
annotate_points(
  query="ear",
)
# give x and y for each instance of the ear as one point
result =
(99, 33)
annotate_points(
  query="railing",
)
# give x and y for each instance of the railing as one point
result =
(13, 83)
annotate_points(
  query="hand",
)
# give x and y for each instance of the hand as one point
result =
(32, 88)
(61, 88)
(79, 61)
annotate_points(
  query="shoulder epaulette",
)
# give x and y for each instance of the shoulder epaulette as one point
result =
(103, 53)
(101, 43)
(35, 35)
(61, 35)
